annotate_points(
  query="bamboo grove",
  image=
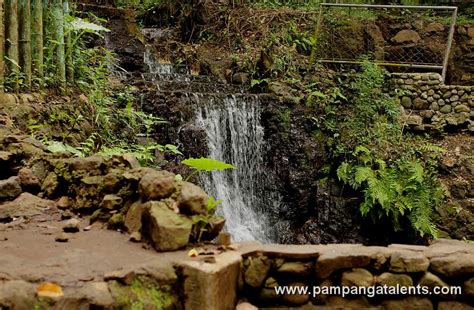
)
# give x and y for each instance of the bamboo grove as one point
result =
(30, 27)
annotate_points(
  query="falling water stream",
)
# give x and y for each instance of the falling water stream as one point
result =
(234, 135)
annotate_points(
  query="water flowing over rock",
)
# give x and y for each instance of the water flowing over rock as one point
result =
(230, 123)
(235, 135)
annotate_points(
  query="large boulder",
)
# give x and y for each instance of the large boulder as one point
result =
(25, 205)
(157, 185)
(167, 230)
(192, 199)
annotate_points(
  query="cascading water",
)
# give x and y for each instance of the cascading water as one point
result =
(234, 135)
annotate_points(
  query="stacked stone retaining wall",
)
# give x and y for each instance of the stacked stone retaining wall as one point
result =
(430, 104)
(444, 264)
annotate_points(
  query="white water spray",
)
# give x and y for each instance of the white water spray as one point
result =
(235, 136)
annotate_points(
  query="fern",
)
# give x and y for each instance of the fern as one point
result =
(402, 190)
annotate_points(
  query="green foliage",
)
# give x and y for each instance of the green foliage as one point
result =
(117, 127)
(394, 172)
(140, 5)
(143, 293)
(212, 204)
(403, 189)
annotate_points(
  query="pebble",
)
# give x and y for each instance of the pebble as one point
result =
(62, 237)
(71, 226)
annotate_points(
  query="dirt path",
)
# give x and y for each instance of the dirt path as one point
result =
(29, 252)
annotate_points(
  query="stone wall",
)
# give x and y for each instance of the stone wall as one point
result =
(445, 263)
(430, 104)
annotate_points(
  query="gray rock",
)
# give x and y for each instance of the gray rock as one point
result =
(357, 277)
(420, 104)
(298, 269)
(133, 218)
(28, 180)
(71, 226)
(406, 102)
(167, 230)
(17, 294)
(192, 199)
(434, 27)
(61, 237)
(413, 120)
(393, 279)
(406, 36)
(462, 108)
(256, 271)
(427, 114)
(453, 265)
(434, 106)
(241, 78)
(431, 280)
(10, 188)
(445, 109)
(111, 202)
(157, 185)
(441, 102)
(408, 262)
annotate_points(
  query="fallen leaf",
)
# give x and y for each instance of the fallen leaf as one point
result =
(49, 289)
(193, 253)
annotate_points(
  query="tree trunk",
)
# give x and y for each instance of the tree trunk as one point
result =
(2, 48)
(24, 15)
(11, 44)
(57, 23)
(37, 37)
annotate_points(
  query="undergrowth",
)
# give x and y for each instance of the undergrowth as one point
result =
(395, 172)
(116, 127)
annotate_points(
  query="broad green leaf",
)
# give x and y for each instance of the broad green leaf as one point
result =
(57, 147)
(206, 164)
(80, 24)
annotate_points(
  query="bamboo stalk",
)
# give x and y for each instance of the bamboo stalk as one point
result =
(57, 23)
(69, 47)
(37, 37)
(24, 15)
(11, 43)
(2, 48)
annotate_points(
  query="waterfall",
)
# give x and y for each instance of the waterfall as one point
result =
(235, 136)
